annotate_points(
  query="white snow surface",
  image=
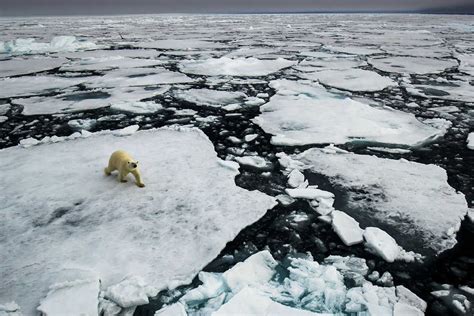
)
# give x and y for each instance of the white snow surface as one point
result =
(381, 243)
(20, 66)
(210, 98)
(299, 115)
(412, 65)
(351, 79)
(79, 297)
(413, 198)
(69, 221)
(108, 63)
(179, 44)
(22, 46)
(224, 66)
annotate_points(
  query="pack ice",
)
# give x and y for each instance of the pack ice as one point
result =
(63, 220)
(413, 200)
(302, 113)
(58, 44)
(224, 66)
(20, 66)
(297, 285)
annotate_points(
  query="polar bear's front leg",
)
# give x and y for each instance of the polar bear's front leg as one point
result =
(122, 175)
(138, 178)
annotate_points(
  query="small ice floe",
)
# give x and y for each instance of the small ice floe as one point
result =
(470, 141)
(211, 98)
(3, 118)
(412, 65)
(138, 107)
(309, 193)
(109, 63)
(224, 66)
(22, 46)
(24, 66)
(132, 291)
(351, 79)
(180, 44)
(250, 137)
(297, 285)
(455, 90)
(80, 124)
(346, 228)
(381, 243)
(355, 50)
(390, 150)
(255, 162)
(79, 297)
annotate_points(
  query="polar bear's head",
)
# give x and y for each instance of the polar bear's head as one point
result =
(132, 165)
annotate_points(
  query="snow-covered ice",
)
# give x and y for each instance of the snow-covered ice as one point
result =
(35, 85)
(20, 66)
(210, 98)
(139, 107)
(411, 197)
(347, 228)
(255, 162)
(381, 243)
(22, 46)
(78, 297)
(108, 63)
(68, 221)
(455, 90)
(135, 77)
(412, 65)
(224, 66)
(179, 44)
(351, 79)
(295, 118)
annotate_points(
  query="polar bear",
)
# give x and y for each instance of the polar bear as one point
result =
(125, 164)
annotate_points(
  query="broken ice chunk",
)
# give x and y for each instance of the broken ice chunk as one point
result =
(402, 309)
(258, 268)
(176, 309)
(255, 162)
(346, 228)
(381, 243)
(132, 291)
(309, 193)
(295, 178)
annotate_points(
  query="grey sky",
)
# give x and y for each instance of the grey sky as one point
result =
(58, 7)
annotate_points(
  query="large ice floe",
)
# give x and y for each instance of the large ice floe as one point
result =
(65, 224)
(303, 113)
(20, 66)
(351, 79)
(180, 44)
(414, 200)
(412, 65)
(135, 77)
(36, 85)
(22, 46)
(262, 286)
(125, 99)
(455, 90)
(107, 63)
(224, 66)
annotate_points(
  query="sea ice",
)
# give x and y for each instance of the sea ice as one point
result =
(35, 85)
(354, 50)
(414, 205)
(255, 162)
(179, 44)
(210, 98)
(412, 65)
(135, 77)
(346, 228)
(21, 66)
(470, 141)
(351, 79)
(138, 107)
(22, 46)
(294, 117)
(80, 297)
(381, 243)
(455, 90)
(71, 222)
(295, 178)
(131, 291)
(108, 63)
(224, 66)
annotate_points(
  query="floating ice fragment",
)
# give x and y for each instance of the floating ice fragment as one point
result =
(309, 193)
(346, 228)
(255, 162)
(470, 141)
(132, 291)
(381, 243)
(295, 178)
